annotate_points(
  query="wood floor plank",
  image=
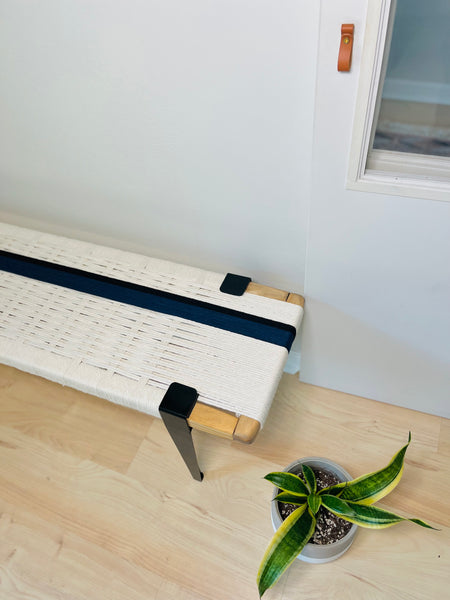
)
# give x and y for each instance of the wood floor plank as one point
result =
(96, 503)
(43, 561)
(404, 566)
(56, 415)
(145, 527)
(444, 438)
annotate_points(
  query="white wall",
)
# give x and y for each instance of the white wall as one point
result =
(185, 128)
(182, 129)
(377, 322)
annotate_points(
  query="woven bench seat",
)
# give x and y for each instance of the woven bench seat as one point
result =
(94, 318)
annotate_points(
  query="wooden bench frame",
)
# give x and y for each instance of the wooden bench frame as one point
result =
(223, 423)
(181, 412)
(179, 408)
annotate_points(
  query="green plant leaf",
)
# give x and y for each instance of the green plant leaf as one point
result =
(288, 541)
(314, 502)
(291, 498)
(371, 517)
(310, 478)
(287, 482)
(369, 488)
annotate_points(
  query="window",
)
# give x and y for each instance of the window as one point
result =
(401, 139)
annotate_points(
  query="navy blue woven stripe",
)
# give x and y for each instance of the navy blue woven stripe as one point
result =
(227, 319)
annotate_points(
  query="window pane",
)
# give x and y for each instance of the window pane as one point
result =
(415, 107)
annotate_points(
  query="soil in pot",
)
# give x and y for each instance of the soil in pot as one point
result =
(329, 527)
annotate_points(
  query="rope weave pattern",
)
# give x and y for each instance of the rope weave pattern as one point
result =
(126, 354)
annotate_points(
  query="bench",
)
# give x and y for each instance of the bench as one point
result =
(201, 350)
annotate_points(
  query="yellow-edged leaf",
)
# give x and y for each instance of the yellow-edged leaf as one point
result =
(288, 541)
(291, 498)
(363, 515)
(288, 482)
(314, 503)
(310, 478)
(369, 488)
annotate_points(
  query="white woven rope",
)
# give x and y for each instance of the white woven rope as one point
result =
(160, 274)
(126, 354)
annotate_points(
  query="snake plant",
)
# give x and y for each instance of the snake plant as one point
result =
(351, 500)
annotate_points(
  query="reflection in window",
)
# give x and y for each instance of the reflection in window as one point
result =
(415, 107)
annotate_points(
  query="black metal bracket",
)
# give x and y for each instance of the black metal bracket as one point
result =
(175, 409)
(234, 284)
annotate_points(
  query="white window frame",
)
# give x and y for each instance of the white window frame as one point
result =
(395, 173)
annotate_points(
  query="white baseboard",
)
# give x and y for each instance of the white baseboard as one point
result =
(293, 363)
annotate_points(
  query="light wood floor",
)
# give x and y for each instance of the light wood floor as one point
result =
(95, 503)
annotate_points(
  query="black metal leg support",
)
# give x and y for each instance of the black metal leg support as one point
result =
(175, 408)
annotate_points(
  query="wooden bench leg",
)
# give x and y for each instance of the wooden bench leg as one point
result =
(175, 408)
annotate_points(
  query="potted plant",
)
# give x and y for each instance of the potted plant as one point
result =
(332, 535)
(309, 503)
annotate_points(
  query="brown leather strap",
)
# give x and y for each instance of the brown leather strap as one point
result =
(346, 48)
